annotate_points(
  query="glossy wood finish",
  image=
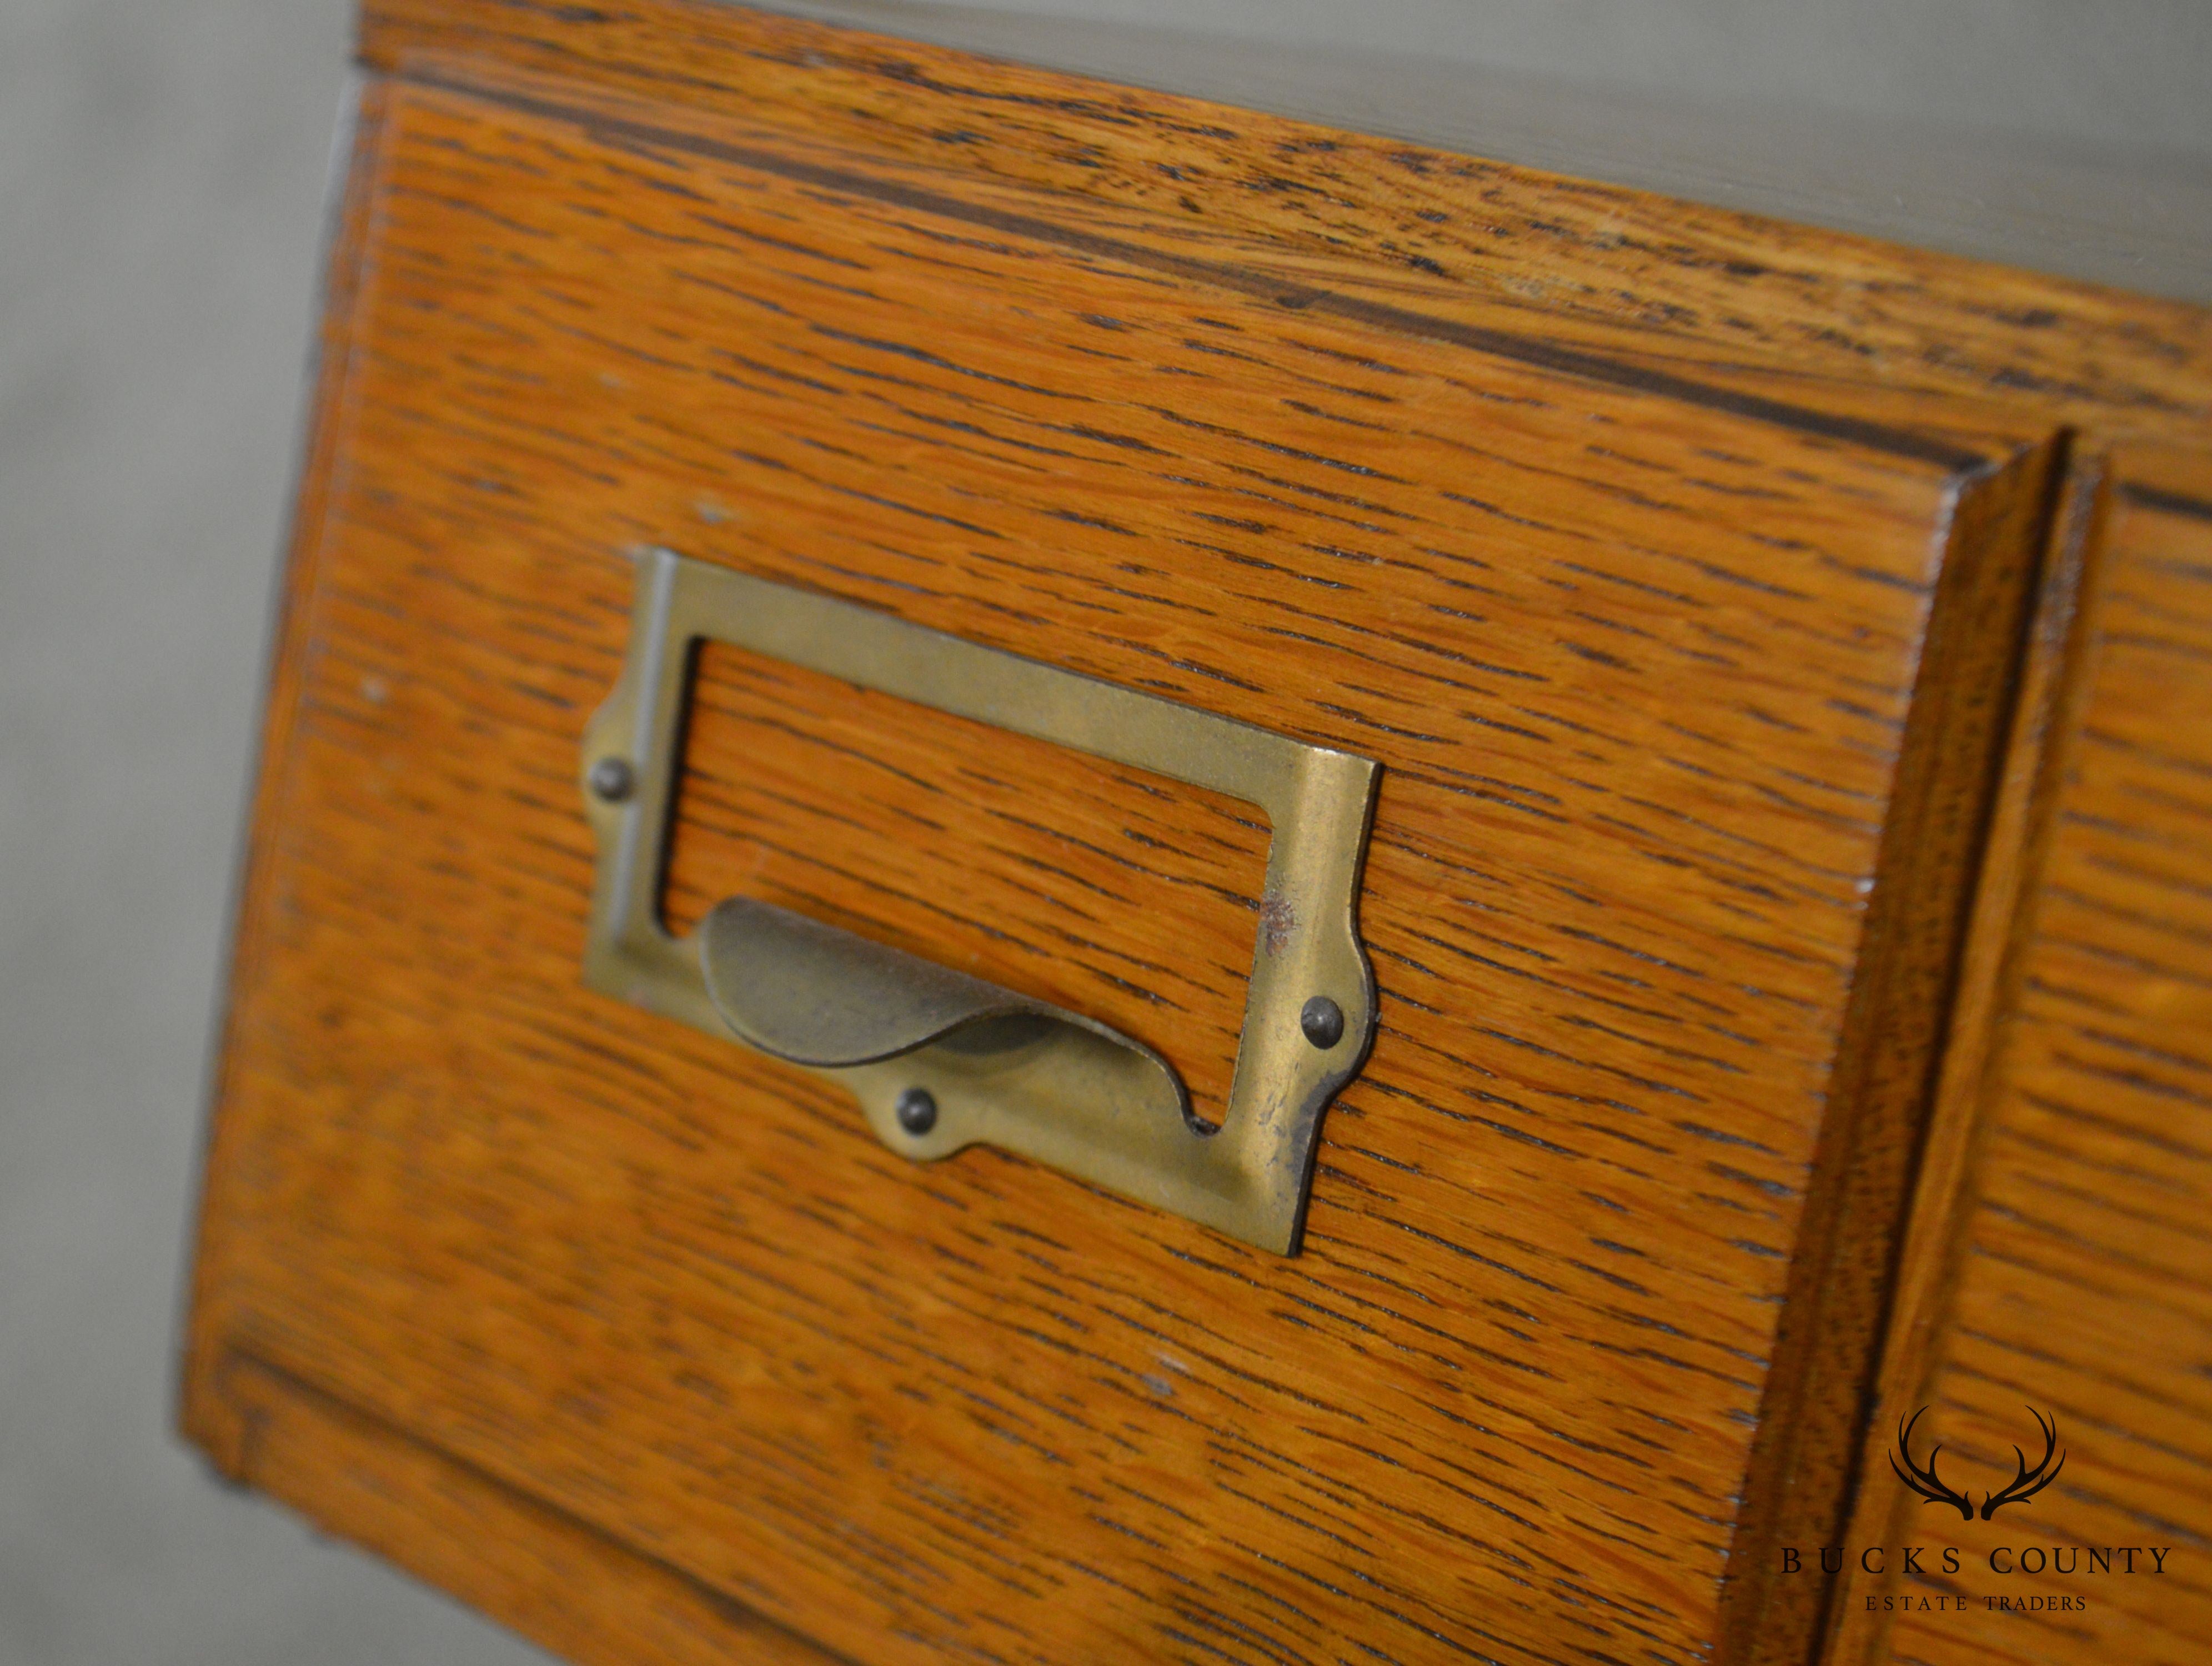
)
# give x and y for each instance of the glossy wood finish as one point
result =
(1687, 636)
(2080, 1265)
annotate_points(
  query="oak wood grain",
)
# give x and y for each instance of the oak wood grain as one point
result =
(2081, 1264)
(1676, 565)
(1688, 712)
(1714, 293)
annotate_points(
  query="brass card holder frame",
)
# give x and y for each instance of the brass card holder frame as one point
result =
(937, 1059)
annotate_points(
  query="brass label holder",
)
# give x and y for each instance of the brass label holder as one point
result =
(937, 1059)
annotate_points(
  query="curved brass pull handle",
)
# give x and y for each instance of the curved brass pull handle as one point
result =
(812, 995)
(959, 1059)
(994, 1066)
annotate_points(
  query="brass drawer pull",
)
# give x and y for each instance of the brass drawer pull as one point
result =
(939, 1059)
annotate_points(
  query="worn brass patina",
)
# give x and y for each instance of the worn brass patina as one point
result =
(1001, 1068)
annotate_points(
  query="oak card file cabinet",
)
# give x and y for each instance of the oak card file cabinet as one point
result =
(1044, 874)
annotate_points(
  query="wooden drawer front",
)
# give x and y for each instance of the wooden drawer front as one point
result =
(1686, 703)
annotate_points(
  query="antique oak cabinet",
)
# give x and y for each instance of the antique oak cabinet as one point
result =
(1048, 874)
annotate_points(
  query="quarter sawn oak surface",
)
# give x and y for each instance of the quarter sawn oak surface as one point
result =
(1690, 654)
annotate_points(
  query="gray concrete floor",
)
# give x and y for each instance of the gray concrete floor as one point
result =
(162, 167)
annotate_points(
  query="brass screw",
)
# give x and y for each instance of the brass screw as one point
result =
(1322, 1020)
(612, 780)
(917, 1110)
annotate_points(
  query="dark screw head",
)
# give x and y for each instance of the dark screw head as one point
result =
(612, 779)
(917, 1110)
(1322, 1020)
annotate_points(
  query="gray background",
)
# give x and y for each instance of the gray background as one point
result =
(161, 175)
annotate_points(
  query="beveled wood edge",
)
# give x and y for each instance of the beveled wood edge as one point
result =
(540, 1572)
(1808, 1454)
(1933, 1250)
(2057, 678)
(200, 1415)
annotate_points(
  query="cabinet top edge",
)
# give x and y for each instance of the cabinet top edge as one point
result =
(2131, 217)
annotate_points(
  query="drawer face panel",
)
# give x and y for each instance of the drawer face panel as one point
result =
(1640, 669)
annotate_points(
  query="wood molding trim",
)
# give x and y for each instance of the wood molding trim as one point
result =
(1708, 292)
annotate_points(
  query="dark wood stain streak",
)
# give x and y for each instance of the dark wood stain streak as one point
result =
(2169, 502)
(1290, 296)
